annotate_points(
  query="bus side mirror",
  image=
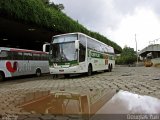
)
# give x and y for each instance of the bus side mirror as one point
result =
(45, 47)
(77, 44)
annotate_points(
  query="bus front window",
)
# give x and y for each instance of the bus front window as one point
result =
(63, 52)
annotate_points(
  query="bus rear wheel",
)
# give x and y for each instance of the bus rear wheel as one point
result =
(89, 73)
(38, 73)
(1, 76)
(110, 68)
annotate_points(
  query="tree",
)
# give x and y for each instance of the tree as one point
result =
(45, 1)
(58, 7)
(128, 56)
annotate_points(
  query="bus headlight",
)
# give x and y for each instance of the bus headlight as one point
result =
(54, 65)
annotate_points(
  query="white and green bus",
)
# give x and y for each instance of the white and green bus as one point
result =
(78, 53)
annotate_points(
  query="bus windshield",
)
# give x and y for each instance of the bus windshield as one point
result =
(65, 38)
(63, 52)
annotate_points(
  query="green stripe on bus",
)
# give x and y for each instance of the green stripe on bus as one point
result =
(93, 54)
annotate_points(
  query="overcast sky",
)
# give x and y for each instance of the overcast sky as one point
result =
(118, 20)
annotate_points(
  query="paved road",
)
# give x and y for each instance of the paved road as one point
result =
(140, 80)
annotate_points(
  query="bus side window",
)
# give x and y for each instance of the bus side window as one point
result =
(36, 56)
(44, 57)
(89, 43)
(82, 39)
(10, 55)
(82, 53)
(94, 45)
(17, 55)
(47, 57)
(30, 56)
(20, 56)
(3, 55)
(27, 56)
(40, 57)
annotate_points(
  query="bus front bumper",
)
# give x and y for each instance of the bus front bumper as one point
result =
(68, 70)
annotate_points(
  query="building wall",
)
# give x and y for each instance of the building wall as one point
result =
(155, 61)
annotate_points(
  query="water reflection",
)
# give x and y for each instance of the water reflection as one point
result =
(63, 102)
(58, 103)
(66, 103)
(125, 102)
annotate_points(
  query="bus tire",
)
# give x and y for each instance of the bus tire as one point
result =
(89, 73)
(55, 76)
(2, 76)
(38, 72)
(111, 68)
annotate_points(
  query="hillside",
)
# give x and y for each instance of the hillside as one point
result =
(38, 13)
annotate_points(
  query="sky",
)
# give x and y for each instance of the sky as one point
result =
(126, 22)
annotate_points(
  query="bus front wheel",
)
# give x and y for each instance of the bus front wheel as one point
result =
(110, 68)
(89, 73)
(1, 76)
(38, 72)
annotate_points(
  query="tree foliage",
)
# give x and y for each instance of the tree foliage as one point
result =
(128, 56)
(47, 15)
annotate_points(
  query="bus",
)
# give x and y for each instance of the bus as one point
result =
(17, 62)
(78, 53)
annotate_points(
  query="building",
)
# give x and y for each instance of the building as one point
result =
(152, 53)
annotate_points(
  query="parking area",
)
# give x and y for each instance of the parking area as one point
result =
(139, 80)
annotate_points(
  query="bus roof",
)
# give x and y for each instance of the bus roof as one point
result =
(67, 34)
(109, 47)
(21, 50)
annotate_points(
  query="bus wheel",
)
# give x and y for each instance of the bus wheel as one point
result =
(38, 72)
(55, 76)
(109, 68)
(1, 76)
(89, 73)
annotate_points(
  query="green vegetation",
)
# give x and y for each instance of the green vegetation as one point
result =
(128, 56)
(48, 16)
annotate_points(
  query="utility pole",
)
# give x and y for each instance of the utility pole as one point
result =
(136, 49)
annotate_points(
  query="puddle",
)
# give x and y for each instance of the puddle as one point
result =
(63, 103)
(156, 79)
(127, 74)
(69, 103)
(145, 75)
(129, 103)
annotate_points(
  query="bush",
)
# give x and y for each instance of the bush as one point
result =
(128, 56)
